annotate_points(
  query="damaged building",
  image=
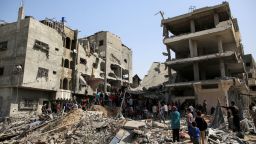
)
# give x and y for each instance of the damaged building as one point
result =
(116, 69)
(209, 55)
(41, 61)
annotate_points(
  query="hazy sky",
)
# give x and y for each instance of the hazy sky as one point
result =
(133, 20)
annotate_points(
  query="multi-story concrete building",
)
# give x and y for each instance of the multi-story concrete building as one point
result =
(208, 55)
(250, 67)
(118, 59)
(43, 60)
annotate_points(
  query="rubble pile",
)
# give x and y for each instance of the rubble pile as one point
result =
(77, 126)
(221, 137)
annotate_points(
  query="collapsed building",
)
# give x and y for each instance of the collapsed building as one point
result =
(117, 65)
(209, 56)
(44, 60)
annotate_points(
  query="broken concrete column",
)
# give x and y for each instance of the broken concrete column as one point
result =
(196, 71)
(191, 48)
(222, 66)
(193, 53)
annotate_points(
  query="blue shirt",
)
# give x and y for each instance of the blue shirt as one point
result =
(196, 133)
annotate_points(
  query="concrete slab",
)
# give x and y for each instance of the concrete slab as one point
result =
(134, 124)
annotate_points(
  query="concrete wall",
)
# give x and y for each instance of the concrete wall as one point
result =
(212, 95)
(15, 53)
(11, 100)
(36, 58)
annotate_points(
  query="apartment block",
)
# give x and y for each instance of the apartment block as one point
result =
(208, 55)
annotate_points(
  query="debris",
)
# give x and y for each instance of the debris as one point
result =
(134, 124)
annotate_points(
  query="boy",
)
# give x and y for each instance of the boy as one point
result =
(195, 133)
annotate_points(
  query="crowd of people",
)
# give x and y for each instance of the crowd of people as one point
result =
(139, 108)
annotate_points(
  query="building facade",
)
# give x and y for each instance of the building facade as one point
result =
(117, 64)
(41, 61)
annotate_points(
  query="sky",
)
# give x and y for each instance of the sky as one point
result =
(133, 20)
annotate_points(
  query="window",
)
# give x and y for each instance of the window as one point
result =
(1, 71)
(42, 72)
(54, 72)
(28, 104)
(83, 61)
(125, 60)
(101, 42)
(3, 45)
(56, 49)
(66, 63)
(249, 75)
(42, 47)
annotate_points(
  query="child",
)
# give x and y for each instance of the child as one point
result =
(195, 133)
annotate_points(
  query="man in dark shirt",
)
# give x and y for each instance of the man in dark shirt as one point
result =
(236, 119)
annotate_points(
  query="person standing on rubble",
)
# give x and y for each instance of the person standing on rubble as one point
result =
(205, 107)
(202, 125)
(161, 113)
(190, 119)
(195, 133)
(235, 112)
(175, 124)
(165, 110)
(154, 110)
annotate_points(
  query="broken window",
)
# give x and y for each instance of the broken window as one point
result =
(1, 71)
(101, 43)
(68, 41)
(125, 60)
(56, 49)
(248, 64)
(249, 75)
(3, 45)
(28, 104)
(65, 84)
(209, 86)
(73, 45)
(66, 63)
(42, 47)
(83, 61)
(42, 72)
(54, 72)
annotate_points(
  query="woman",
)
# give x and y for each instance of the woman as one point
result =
(175, 124)
(190, 119)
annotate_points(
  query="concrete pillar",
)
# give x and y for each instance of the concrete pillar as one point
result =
(196, 72)
(191, 47)
(169, 53)
(216, 19)
(220, 46)
(195, 53)
(222, 66)
(192, 26)
(165, 32)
